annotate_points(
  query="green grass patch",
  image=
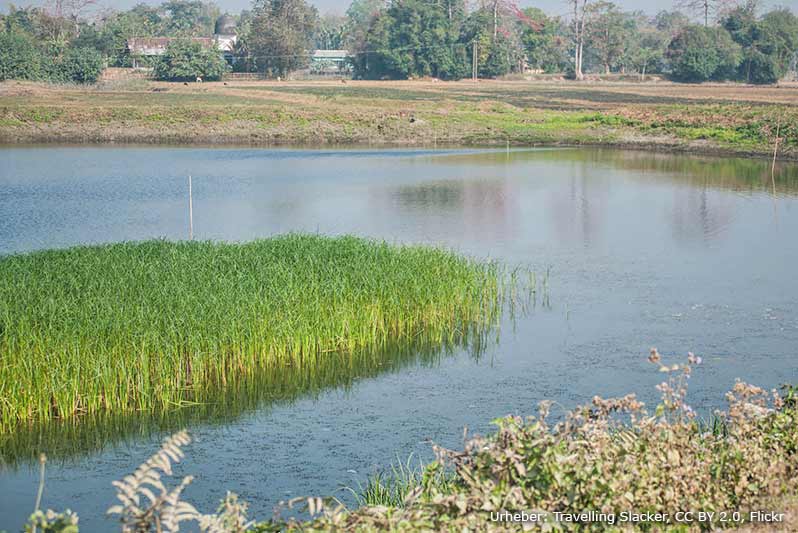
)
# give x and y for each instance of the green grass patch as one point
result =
(150, 325)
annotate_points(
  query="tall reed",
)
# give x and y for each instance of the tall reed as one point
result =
(73, 438)
(138, 326)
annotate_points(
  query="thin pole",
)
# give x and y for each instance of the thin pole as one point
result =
(42, 461)
(474, 62)
(775, 151)
(190, 212)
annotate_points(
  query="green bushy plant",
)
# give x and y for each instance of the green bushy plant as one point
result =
(20, 59)
(186, 60)
(700, 54)
(77, 65)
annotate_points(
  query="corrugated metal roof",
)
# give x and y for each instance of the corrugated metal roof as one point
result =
(330, 54)
(156, 46)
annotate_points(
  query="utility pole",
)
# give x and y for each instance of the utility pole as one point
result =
(474, 61)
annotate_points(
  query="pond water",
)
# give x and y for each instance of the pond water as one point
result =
(642, 249)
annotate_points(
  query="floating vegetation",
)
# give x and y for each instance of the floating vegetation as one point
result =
(137, 327)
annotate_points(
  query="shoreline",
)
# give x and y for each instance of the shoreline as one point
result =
(704, 120)
(675, 148)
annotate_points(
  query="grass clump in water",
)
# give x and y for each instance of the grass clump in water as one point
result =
(150, 325)
(403, 484)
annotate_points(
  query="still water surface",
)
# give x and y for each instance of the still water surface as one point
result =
(643, 249)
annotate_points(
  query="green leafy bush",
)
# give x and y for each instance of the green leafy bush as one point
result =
(186, 60)
(76, 65)
(700, 54)
(22, 59)
(19, 58)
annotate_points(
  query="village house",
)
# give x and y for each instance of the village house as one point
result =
(329, 62)
(142, 49)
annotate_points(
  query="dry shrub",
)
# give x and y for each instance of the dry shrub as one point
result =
(612, 456)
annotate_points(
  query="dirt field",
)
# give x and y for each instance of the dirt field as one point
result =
(712, 118)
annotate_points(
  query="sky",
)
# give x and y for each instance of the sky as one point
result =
(552, 7)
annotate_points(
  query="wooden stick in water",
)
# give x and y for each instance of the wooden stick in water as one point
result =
(775, 151)
(190, 212)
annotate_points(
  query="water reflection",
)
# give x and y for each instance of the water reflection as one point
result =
(65, 441)
(695, 217)
(681, 252)
(577, 188)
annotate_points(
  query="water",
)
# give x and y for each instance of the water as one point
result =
(644, 249)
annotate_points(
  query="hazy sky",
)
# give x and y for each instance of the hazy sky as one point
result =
(553, 7)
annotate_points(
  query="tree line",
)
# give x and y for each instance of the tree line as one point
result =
(400, 39)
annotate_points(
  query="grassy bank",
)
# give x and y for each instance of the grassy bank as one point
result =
(725, 118)
(152, 325)
(631, 469)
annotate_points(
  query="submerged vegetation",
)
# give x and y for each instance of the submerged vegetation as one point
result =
(632, 469)
(137, 327)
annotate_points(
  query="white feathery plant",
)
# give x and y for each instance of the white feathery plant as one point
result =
(231, 517)
(164, 510)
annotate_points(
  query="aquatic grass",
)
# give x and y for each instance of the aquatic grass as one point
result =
(403, 483)
(69, 440)
(150, 325)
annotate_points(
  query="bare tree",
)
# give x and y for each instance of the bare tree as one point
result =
(580, 21)
(69, 9)
(67, 12)
(718, 7)
(697, 6)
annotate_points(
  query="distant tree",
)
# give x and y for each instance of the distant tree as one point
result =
(782, 26)
(40, 25)
(579, 31)
(369, 60)
(359, 18)
(671, 22)
(146, 19)
(20, 58)
(498, 54)
(244, 60)
(330, 33)
(504, 56)
(108, 34)
(281, 35)
(712, 8)
(768, 45)
(701, 8)
(185, 60)
(414, 38)
(76, 65)
(68, 9)
(646, 51)
(66, 14)
(190, 17)
(608, 34)
(699, 54)
(21, 21)
(545, 41)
